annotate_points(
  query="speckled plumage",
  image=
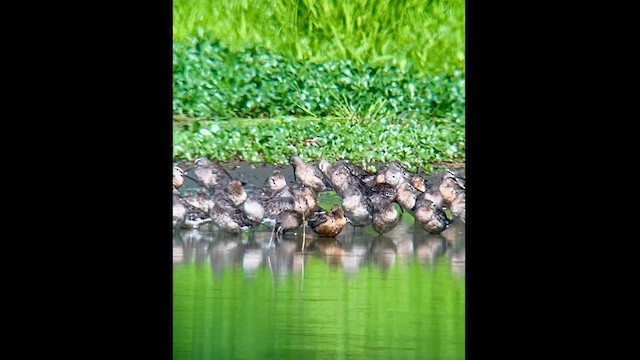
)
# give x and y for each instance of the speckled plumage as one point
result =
(308, 175)
(229, 218)
(430, 216)
(406, 196)
(187, 216)
(385, 217)
(201, 199)
(234, 192)
(451, 184)
(286, 221)
(306, 201)
(274, 206)
(338, 175)
(274, 186)
(393, 174)
(210, 175)
(357, 206)
(458, 205)
(419, 183)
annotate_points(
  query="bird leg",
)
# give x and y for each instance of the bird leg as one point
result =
(304, 236)
(271, 238)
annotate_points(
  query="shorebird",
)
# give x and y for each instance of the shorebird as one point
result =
(178, 176)
(449, 185)
(393, 174)
(230, 218)
(234, 191)
(384, 215)
(329, 224)
(430, 216)
(287, 220)
(458, 205)
(185, 215)
(308, 175)
(210, 175)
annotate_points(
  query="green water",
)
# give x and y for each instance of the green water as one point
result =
(360, 296)
(407, 310)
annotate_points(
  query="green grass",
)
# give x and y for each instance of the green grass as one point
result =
(428, 35)
(369, 81)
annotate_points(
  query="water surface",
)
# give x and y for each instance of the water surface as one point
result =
(358, 296)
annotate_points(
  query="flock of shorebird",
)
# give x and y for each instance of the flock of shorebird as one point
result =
(367, 199)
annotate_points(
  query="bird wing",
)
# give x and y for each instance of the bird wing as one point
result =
(317, 221)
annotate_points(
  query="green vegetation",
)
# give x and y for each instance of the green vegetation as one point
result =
(274, 140)
(369, 81)
(430, 35)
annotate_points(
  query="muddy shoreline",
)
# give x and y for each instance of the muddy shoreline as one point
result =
(254, 175)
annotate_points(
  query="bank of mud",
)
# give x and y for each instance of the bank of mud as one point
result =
(254, 175)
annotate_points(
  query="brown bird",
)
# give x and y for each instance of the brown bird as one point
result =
(210, 175)
(234, 192)
(357, 206)
(450, 184)
(342, 174)
(308, 174)
(329, 224)
(430, 216)
(179, 210)
(201, 199)
(338, 175)
(458, 205)
(385, 217)
(230, 218)
(306, 201)
(287, 220)
(302, 200)
(178, 176)
(273, 207)
(406, 196)
(433, 193)
(187, 216)
(393, 174)
(419, 183)
(274, 186)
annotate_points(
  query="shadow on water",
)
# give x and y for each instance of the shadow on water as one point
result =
(360, 295)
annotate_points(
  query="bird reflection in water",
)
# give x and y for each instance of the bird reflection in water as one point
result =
(428, 248)
(383, 251)
(455, 238)
(251, 261)
(225, 254)
(330, 250)
(353, 258)
(280, 258)
(190, 242)
(405, 250)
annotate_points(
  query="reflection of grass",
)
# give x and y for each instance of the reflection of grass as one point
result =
(407, 311)
(429, 35)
